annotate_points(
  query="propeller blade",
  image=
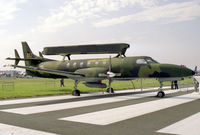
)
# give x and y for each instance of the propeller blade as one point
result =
(110, 65)
(109, 73)
(102, 75)
(195, 70)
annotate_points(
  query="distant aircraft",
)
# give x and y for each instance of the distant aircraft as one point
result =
(93, 71)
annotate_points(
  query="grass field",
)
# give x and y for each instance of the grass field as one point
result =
(31, 87)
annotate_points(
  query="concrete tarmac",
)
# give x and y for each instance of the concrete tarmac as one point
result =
(128, 112)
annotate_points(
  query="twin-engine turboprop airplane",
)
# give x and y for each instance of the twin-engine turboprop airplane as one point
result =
(93, 71)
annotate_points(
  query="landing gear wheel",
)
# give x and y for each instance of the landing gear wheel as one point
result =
(160, 94)
(112, 90)
(76, 92)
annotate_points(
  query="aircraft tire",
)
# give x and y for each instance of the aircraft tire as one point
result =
(76, 93)
(160, 94)
(112, 90)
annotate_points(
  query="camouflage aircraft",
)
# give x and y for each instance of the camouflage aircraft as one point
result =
(93, 71)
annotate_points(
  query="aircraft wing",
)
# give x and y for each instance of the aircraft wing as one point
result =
(54, 72)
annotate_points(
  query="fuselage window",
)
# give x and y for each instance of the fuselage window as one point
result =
(96, 63)
(74, 65)
(141, 61)
(68, 64)
(81, 64)
(104, 63)
(88, 63)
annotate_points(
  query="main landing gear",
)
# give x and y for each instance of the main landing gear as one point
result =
(160, 93)
(110, 89)
(76, 92)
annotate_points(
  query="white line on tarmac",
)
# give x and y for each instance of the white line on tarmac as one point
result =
(110, 116)
(14, 130)
(31, 100)
(49, 98)
(188, 126)
(76, 104)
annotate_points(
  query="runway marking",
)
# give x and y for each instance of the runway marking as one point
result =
(110, 116)
(70, 105)
(14, 130)
(188, 126)
(31, 100)
(49, 98)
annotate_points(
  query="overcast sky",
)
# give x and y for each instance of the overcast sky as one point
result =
(166, 30)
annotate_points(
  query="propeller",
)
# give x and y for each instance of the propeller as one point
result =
(196, 78)
(109, 74)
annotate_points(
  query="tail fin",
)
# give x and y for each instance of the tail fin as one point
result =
(29, 54)
(17, 58)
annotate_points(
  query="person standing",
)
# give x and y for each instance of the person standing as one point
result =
(176, 84)
(172, 85)
(62, 83)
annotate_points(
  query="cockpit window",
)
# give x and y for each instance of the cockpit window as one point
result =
(146, 61)
(141, 61)
(150, 60)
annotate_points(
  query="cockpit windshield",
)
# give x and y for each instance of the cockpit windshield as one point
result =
(150, 60)
(147, 60)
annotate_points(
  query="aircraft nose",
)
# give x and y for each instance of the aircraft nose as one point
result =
(188, 72)
(177, 71)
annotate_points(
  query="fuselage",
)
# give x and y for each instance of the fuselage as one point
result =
(129, 67)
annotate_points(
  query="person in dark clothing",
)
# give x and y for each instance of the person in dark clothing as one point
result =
(172, 85)
(176, 84)
(62, 83)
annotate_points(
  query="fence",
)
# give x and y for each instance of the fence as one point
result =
(8, 85)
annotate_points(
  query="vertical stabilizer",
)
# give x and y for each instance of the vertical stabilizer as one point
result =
(28, 54)
(27, 51)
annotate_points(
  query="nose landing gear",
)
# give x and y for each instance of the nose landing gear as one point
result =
(160, 93)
